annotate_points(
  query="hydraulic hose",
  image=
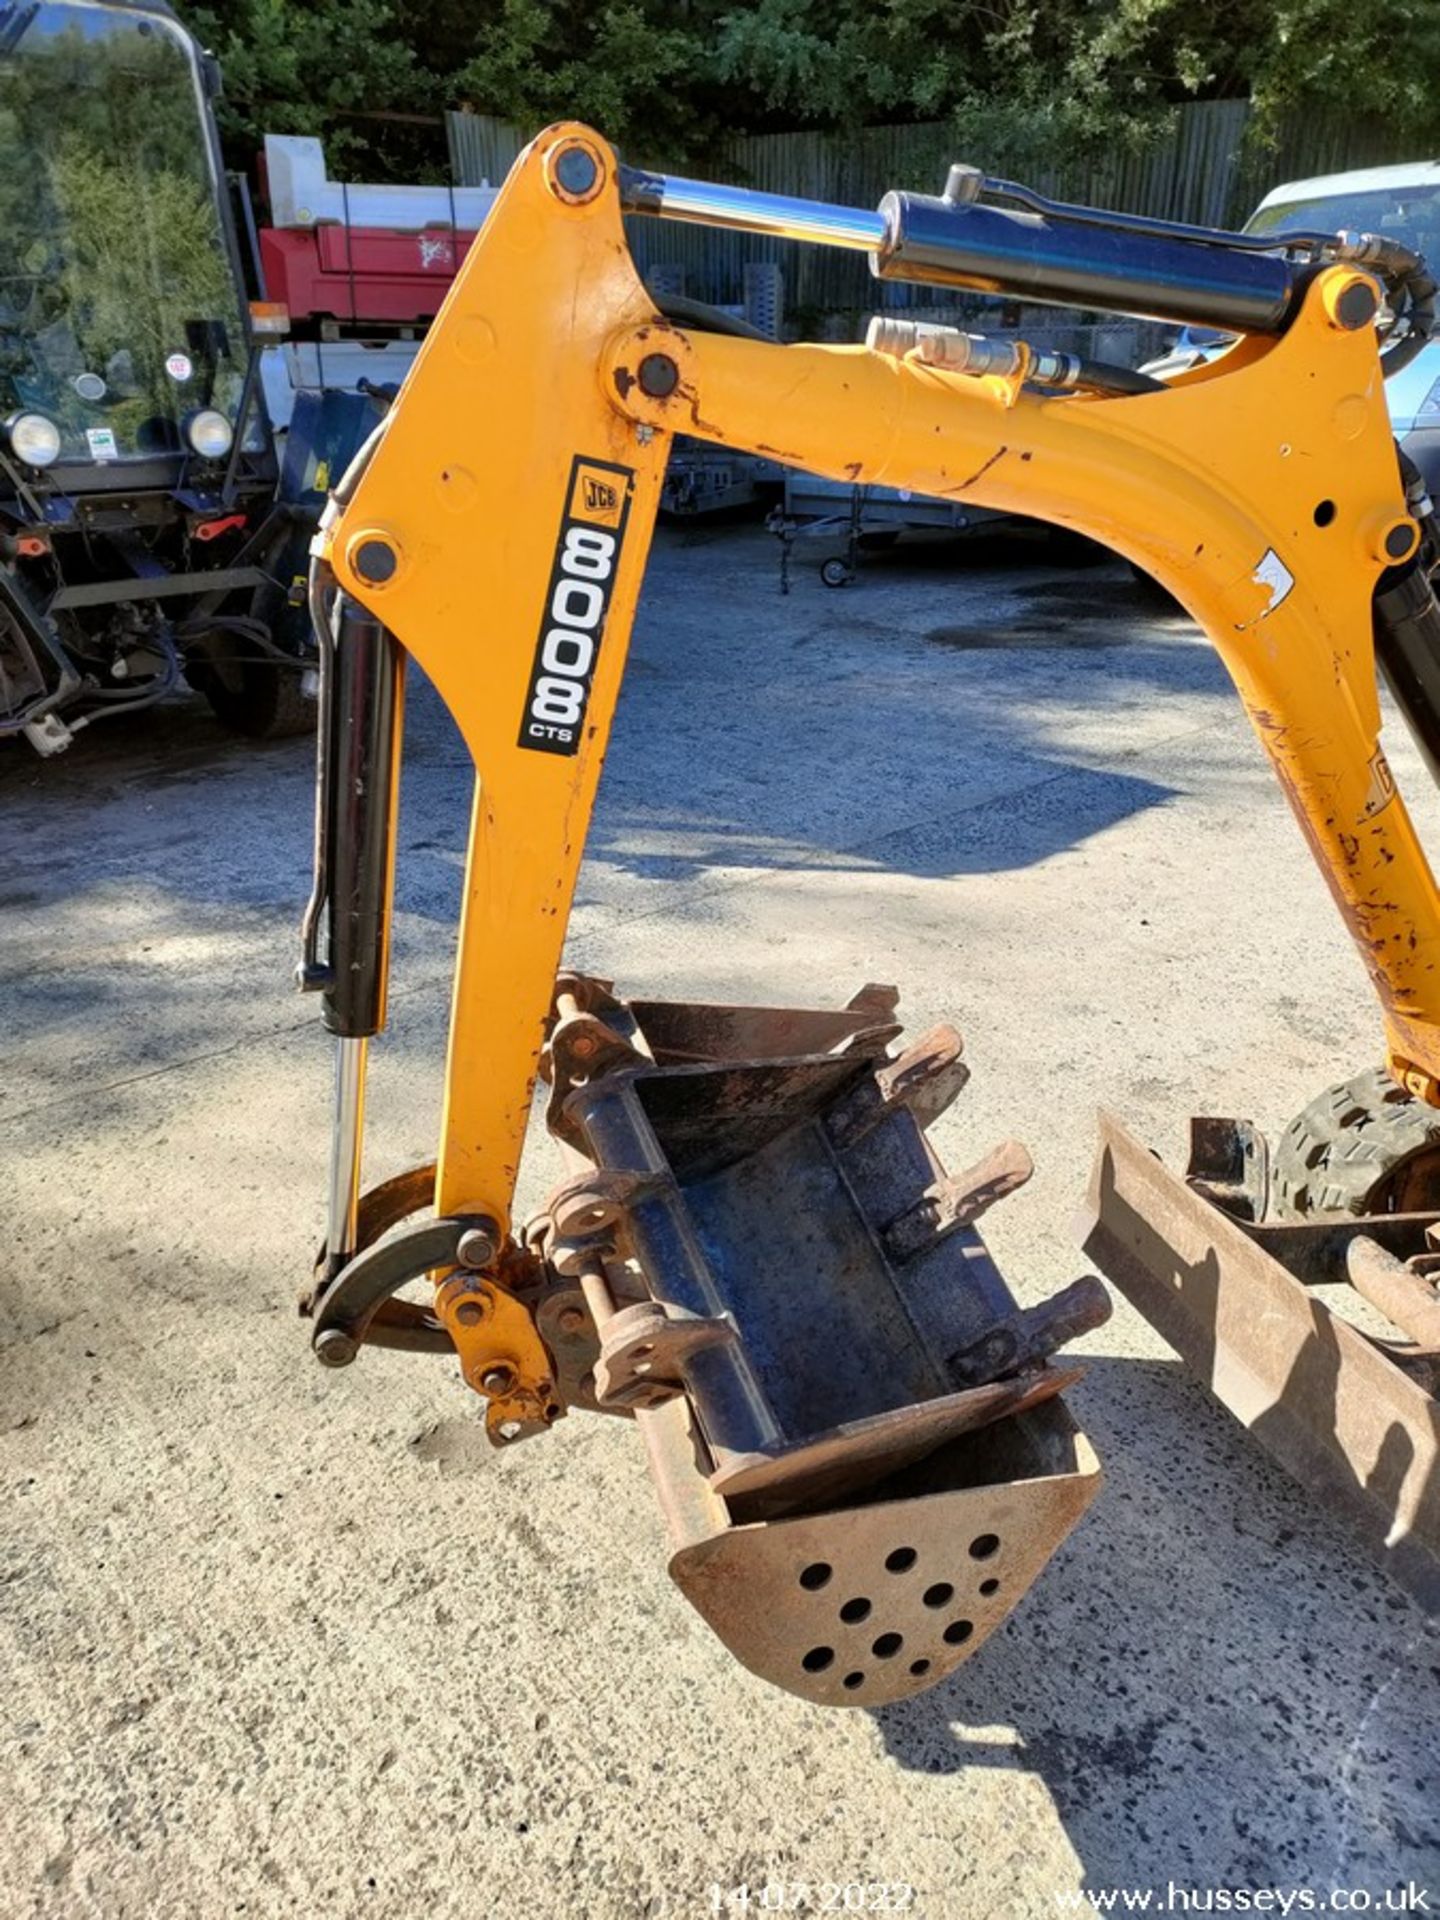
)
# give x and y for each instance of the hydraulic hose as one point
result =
(686, 312)
(1100, 376)
(1420, 289)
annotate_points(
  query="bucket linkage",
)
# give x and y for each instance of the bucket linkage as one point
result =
(855, 1430)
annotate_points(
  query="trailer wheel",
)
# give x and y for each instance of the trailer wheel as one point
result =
(260, 698)
(836, 573)
(1365, 1146)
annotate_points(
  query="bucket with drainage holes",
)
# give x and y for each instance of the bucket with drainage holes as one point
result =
(874, 1599)
(855, 1428)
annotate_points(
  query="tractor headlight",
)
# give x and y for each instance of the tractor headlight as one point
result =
(34, 439)
(210, 433)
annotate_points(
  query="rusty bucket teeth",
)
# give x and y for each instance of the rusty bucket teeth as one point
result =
(855, 1430)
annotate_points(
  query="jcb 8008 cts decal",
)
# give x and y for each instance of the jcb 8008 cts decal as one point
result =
(586, 557)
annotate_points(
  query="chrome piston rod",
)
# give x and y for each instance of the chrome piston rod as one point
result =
(346, 1141)
(711, 203)
(960, 240)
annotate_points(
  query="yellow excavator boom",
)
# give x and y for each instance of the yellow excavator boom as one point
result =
(496, 532)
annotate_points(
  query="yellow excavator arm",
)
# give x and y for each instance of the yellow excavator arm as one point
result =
(496, 531)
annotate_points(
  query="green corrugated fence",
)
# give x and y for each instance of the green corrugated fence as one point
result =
(1205, 167)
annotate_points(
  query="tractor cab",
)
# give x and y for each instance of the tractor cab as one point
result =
(139, 530)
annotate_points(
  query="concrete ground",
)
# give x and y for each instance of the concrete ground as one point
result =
(278, 1641)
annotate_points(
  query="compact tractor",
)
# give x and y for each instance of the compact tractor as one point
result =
(143, 532)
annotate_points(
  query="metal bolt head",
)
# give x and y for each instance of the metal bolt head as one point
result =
(576, 170)
(659, 376)
(335, 1348)
(497, 1381)
(470, 1311)
(510, 1429)
(1356, 304)
(476, 1247)
(375, 562)
(571, 1319)
(1400, 539)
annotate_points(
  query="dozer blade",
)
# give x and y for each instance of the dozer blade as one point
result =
(1351, 1417)
(855, 1430)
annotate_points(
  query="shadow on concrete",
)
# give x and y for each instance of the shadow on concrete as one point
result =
(827, 742)
(225, 801)
(1180, 1739)
(1057, 808)
(161, 862)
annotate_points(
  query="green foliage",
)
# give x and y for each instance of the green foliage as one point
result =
(627, 67)
(313, 66)
(137, 297)
(671, 78)
(1377, 57)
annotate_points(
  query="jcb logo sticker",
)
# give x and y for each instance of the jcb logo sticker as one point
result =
(576, 603)
(599, 495)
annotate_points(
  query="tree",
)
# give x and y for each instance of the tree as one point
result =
(327, 67)
(671, 79)
(1366, 58)
(644, 72)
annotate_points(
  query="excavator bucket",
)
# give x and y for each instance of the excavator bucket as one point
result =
(1350, 1412)
(855, 1431)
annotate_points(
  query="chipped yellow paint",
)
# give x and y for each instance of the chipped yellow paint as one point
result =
(1222, 488)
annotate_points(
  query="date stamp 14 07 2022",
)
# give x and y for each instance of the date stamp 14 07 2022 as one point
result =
(811, 1896)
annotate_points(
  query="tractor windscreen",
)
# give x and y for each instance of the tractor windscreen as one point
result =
(120, 315)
